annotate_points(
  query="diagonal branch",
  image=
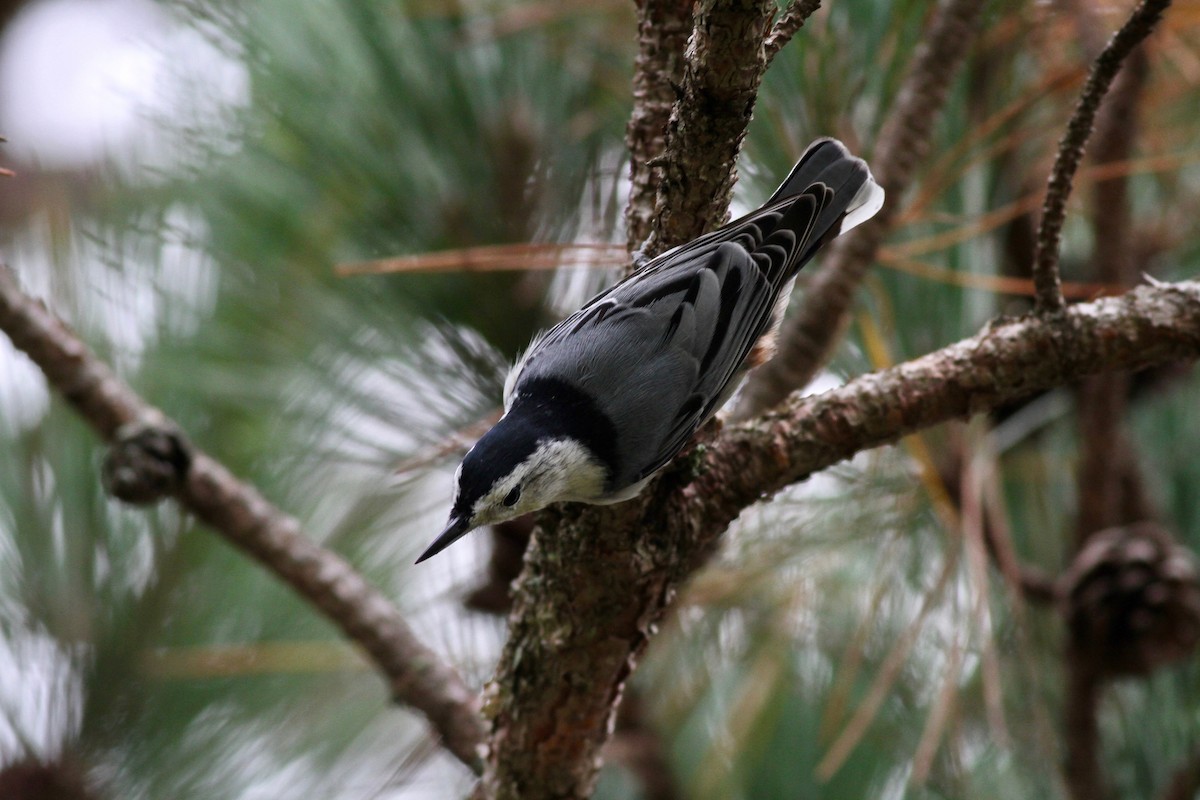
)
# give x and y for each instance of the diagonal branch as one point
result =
(594, 589)
(235, 510)
(809, 334)
(1070, 150)
(1005, 362)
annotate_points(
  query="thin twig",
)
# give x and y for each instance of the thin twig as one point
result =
(808, 336)
(1070, 150)
(938, 718)
(786, 26)
(239, 513)
(519, 256)
(530, 257)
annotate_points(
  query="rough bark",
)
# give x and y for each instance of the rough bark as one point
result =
(235, 510)
(663, 30)
(597, 579)
(790, 21)
(1046, 281)
(723, 68)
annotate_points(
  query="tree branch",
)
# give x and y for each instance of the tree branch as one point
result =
(1008, 360)
(1070, 150)
(810, 333)
(597, 578)
(663, 30)
(790, 21)
(235, 510)
(724, 65)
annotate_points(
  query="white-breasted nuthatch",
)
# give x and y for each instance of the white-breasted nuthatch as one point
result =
(607, 397)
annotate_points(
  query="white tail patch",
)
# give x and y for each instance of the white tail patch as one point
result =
(866, 203)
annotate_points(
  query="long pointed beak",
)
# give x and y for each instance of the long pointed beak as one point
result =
(455, 528)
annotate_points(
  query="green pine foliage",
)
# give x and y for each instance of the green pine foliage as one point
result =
(852, 638)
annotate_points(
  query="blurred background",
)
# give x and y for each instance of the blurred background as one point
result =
(188, 177)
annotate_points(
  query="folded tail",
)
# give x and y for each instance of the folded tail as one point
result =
(857, 197)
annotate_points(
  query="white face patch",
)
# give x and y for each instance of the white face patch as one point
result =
(559, 470)
(457, 478)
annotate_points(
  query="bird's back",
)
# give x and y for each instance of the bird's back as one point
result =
(662, 350)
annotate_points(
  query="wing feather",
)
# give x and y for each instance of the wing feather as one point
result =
(662, 350)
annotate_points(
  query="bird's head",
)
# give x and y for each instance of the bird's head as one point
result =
(516, 468)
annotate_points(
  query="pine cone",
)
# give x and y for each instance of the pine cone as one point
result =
(1132, 600)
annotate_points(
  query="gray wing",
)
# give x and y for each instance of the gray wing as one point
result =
(660, 351)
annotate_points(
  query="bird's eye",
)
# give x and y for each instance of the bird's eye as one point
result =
(513, 496)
